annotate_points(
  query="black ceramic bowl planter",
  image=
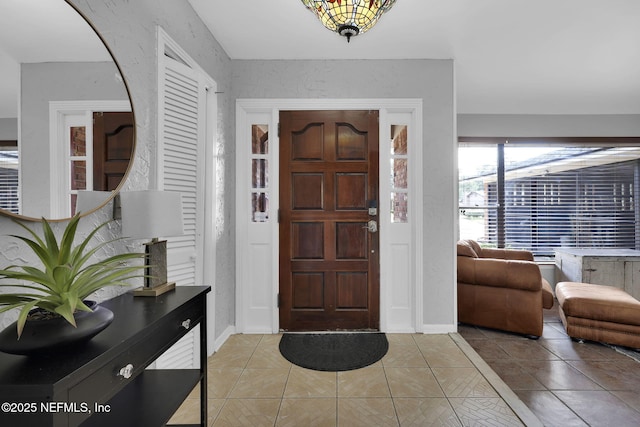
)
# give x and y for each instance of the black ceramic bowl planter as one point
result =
(52, 300)
(43, 332)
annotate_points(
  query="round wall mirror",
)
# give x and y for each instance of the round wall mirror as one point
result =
(67, 131)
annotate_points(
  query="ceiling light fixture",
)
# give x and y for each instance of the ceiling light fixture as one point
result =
(348, 17)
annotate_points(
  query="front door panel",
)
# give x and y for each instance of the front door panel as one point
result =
(329, 244)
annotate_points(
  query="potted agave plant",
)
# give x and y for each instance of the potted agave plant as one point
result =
(53, 310)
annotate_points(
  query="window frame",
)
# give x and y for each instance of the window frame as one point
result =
(501, 142)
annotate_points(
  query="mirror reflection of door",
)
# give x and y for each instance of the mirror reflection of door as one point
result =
(112, 148)
(107, 161)
(102, 166)
(329, 257)
(94, 146)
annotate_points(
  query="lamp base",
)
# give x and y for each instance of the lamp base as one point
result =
(154, 291)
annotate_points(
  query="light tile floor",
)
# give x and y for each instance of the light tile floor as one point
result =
(424, 380)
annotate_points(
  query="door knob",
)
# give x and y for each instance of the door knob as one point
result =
(372, 226)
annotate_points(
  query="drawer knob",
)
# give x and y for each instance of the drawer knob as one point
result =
(126, 372)
(186, 323)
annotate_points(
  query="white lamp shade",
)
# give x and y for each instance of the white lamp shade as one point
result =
(90, 200)
(151, 214)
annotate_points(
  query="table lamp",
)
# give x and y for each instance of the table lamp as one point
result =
(152, 214)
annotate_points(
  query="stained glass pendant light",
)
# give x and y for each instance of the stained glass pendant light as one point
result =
(348, 17)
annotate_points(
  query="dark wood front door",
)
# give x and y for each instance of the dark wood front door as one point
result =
(112, 148)
(329, 258)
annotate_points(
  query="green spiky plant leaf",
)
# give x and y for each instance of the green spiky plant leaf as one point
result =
(66, 278)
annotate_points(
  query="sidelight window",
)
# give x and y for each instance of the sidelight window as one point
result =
(259, 173)
(78, 163)
(399, 158)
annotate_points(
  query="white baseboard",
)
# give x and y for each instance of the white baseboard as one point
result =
(259, 331)
(439, 329)
(231, 329)
(400, 331)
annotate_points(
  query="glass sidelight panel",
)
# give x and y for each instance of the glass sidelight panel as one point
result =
(399, 205)
(78, 141)
(399, 174)
(399, 140)
(80, 164)
(259, 173)
(260, 139)
(260, 207)
(78, 175)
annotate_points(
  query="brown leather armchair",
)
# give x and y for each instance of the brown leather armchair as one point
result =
(501, 289)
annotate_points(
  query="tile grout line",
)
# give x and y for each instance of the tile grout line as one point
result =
(284, 390)
(337, 398)
(567, 406)
(453, 411)
(386, 378)
(228, 395)
(511, 399)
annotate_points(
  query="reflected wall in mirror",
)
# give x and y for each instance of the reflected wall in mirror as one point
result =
(66, 122)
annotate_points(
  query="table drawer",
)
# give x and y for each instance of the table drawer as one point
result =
(101, 385)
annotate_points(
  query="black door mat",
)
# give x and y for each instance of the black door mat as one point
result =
(334, 351)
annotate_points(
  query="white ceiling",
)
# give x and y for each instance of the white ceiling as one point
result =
(511, 56)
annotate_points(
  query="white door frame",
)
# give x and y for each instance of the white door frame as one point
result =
(257, 243)
(59, 112)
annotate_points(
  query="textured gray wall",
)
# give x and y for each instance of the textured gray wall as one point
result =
(8, 129)
(129, 29)
(430, 80)
(548, 125)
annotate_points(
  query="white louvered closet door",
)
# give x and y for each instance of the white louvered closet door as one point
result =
(181, 166)
(181, 158)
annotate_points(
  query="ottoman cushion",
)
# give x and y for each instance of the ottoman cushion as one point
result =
(598, 302)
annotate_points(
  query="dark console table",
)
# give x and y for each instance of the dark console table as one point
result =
(104, 382)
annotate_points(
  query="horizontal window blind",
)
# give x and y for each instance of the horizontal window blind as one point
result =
(554, 196)
(9, 195)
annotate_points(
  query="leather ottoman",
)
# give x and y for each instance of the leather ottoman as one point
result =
(599, 313)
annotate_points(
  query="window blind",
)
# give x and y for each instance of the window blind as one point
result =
(9, 194)
(554, 195)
